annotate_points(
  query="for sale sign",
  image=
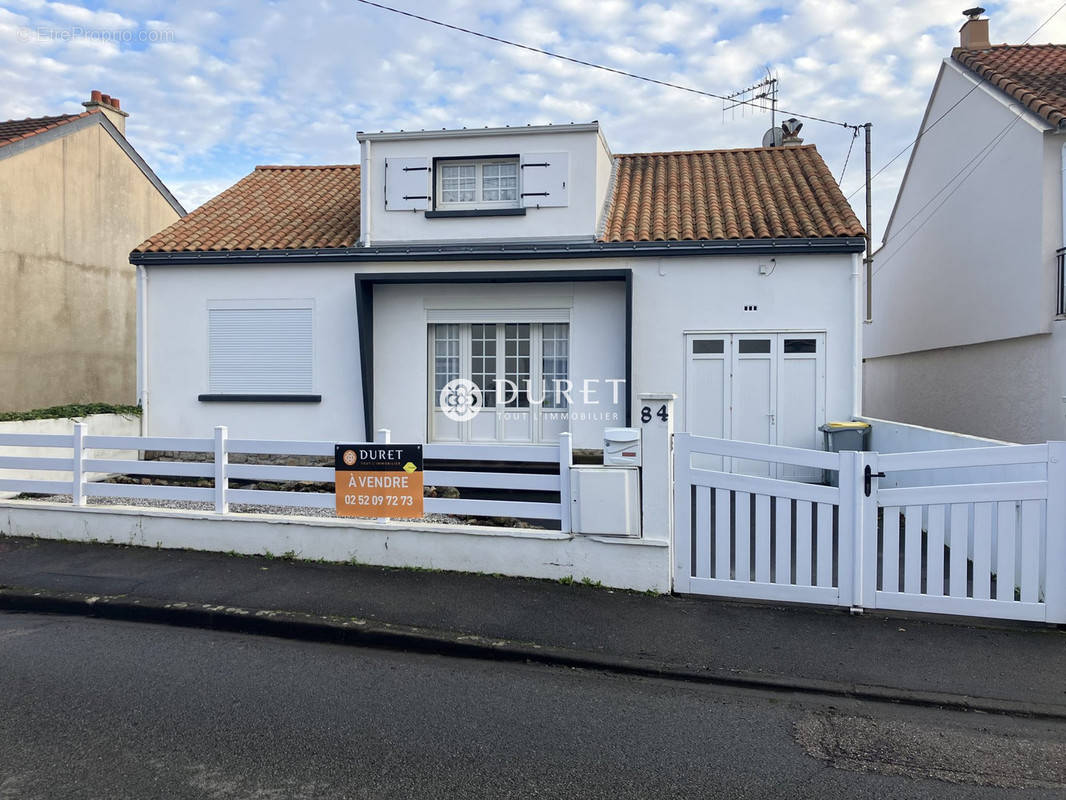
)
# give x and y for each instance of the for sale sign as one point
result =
(379, 480)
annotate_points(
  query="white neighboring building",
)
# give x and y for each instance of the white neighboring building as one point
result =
(327, 302)
(967, 331)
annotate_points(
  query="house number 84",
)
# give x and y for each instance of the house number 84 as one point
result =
(662, 413)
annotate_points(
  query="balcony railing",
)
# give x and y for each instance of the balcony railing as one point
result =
(1060, 303)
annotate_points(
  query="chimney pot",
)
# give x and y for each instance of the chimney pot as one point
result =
(95, 96)
(105, 99)
(115, 103)
(973, 35)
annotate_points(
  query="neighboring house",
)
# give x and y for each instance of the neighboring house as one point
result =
(74, 198)
(326, 302)
(967, 331)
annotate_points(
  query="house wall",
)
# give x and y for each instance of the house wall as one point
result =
(70, 211)
(976, 264)
(589, 167)
(401, 362)
(1010, 389)
(670, 298)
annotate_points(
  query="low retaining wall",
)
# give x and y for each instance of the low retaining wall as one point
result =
(620, 563)
(99, 424)
(887, 436)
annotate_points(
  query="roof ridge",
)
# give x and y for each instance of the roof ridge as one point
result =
(713, 150)
(10, 130)
(306, 166)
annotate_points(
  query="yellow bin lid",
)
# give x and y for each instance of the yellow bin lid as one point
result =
(847, 425)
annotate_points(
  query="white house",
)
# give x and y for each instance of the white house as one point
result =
(325, 302)
(968, 327)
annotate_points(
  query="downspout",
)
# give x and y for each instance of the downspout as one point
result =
(366, 203)
(142, 346)
(856, 336)
(1062, 184)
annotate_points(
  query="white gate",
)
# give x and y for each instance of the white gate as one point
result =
(984, 549)
(762, 538)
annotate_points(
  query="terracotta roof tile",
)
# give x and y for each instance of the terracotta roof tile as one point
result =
(15, 130)
(273, 208)
(1035, 75)
(759, 193)
(763, 193)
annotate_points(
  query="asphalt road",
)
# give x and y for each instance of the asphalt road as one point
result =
(99, 709)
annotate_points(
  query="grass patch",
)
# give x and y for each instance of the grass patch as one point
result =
(66, 412)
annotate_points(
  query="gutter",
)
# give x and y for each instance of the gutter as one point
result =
(519, 251)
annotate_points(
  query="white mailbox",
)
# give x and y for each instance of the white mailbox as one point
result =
(621, 447)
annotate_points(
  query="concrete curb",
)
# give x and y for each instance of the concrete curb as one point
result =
(356, 632)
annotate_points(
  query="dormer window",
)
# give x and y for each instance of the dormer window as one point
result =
(477, 183)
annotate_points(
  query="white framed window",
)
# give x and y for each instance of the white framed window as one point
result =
(477, 183)
(522, 369)
(260, 347)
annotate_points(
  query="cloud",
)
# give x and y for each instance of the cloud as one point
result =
(214, 89)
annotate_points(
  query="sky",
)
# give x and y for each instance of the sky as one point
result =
(214, 89)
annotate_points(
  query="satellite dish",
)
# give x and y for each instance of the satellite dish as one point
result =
(773, 137)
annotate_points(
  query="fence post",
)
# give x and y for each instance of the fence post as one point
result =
(383, 436)
(1055, 554)
(656, 416)
(566, 460)
(221, 461)
(867, 531)
(78, 465)
(852, 557)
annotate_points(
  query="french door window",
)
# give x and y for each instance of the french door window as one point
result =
(522, 370)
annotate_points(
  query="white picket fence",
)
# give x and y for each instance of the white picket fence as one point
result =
(983, 549)
(77, 461)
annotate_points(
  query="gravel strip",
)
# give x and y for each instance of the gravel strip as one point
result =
(238, 508)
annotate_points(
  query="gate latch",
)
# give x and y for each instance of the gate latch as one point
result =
(869, 475)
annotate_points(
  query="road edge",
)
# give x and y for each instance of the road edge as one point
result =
(352, 631)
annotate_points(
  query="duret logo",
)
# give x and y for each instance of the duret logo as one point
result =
(460, 400)
(349, 457)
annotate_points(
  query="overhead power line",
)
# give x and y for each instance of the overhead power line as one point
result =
(950, 108)
(971, 165)
(601, 67)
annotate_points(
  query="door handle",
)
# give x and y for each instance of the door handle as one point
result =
(869, 476)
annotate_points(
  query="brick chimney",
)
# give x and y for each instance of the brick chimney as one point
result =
(973, 35)
(111, 107)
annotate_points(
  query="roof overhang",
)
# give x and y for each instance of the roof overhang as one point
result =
(451, 133)
(510, 251)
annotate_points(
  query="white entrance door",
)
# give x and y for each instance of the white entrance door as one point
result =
(756, 387)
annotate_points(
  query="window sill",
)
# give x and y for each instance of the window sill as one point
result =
(260, 398)
(477, 212)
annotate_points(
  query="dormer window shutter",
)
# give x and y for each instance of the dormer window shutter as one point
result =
(407, 184)
(545, 179)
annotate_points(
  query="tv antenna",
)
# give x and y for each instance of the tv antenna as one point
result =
(758, 96)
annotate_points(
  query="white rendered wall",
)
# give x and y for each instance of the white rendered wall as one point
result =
(589, 167)
(671, 297)
(982, 267)
(178, 362)
(622, 563)
(1008, 389)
